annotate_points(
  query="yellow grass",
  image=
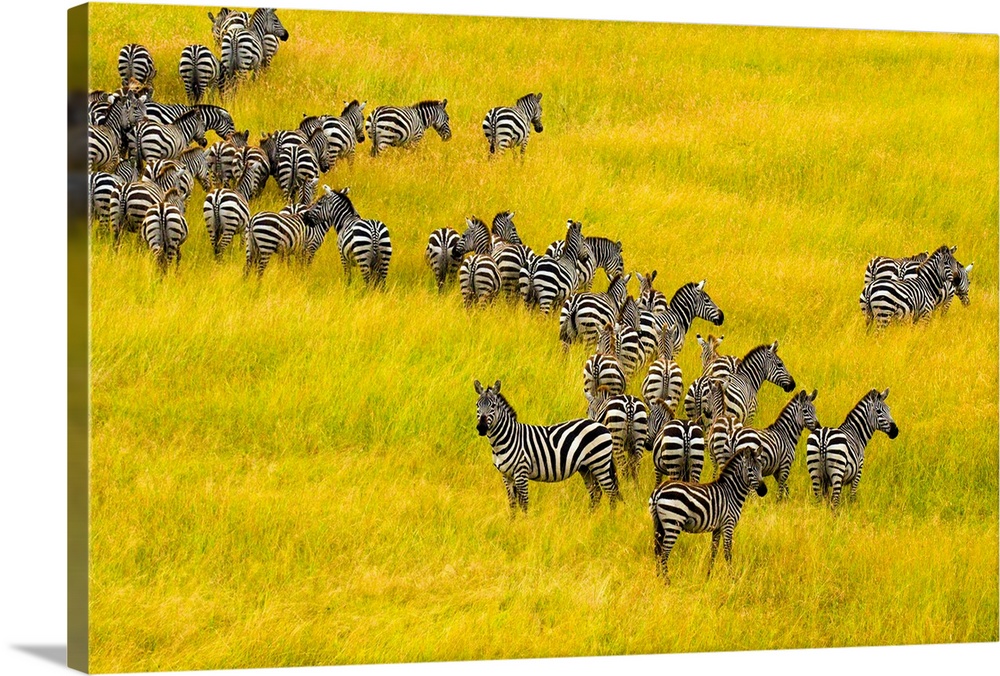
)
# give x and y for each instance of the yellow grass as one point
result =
(287, 472)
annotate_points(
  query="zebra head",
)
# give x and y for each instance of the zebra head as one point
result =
(488, 407)
(704, 307)
(353, 115)
(531, 106)
(504, 229)
(709, 348)
(434, 115)
(333, 209)
(961, 283)
(660, 414)
(618, 292)
(616, 264)
(806, 410)
(267, 23)
(880, 410)
(752, 461)
(575, 241)
(239, 139)
(774, 367)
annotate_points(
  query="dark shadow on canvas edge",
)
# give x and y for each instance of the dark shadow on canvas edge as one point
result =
(49, 653)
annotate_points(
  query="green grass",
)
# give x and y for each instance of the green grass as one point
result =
(287, 472)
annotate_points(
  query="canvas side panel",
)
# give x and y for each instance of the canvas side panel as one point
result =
(78, 344)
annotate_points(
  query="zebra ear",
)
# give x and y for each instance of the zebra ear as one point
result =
(652, 276)
(539, 96)
(968, 268)
(362, 106)
(812, 397)
(618, 245)
(479, 387)
(954, 248)
(701, 285)
(883, 395)
(444, 103)
(327, 189)
(344, 190)
(701, 341)
(496, 387)
(774, 346)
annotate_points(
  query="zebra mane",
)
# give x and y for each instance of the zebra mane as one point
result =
(690, 286)
(506, 404)
(194, 112)
(754, 352)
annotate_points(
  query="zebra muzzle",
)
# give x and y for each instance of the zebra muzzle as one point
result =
(481, 427)
(893, 431)
(762, 489)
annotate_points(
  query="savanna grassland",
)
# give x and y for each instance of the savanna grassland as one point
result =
(287, 472)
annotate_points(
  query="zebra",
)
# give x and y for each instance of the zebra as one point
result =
(137, 198)
(607, 255)
(835, 456)
(884, 267)
(506, 127)
(442, 255)
(760, 364)
(627, 419)
(106, 142)
(296, 167)
(476, 238)
(714, 366)
(393, 126)
(549, 281)
(136, 63)
(700, 508)
(344, 132)
(628, 348)
(503, 229)
(524, 452)
(650, 299)
(917, 297)
(584, 314)
(165, 230)
(602, 369)
(106, 198)
(479, 279)
(678, 450)
(226, 213)
(223, 162)
(722, 426)
(155, 141)
(361, 242)
(664, 380)
(216, 118)
(225, 21)
(169, 174)
(250, 47)
(690, 301)
(200, 71)
(253, 169)
(586, 266)
(779, 439)
(960, 286)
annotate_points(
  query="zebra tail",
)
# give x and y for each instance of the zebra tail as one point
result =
(567, 325)
(162, 257)
(217, 233)
(376, 261)
(253, 251)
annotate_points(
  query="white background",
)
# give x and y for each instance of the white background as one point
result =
(33, 329)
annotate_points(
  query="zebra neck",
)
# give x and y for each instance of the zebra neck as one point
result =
(502, 434)
(682, 311)
(858, 425)
(752, 372)
(731, 478)
(787, 425)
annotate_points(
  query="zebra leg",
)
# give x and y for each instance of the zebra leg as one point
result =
(716, 537)
(669, 535)
(781, 476)
(591, 483)
(508, 483)
(727, 542)
(856, 481)
(659, 476)
(521, 489)
(836, 486)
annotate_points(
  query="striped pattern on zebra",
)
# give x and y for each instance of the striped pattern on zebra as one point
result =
(344, 132)
(156, 141)
(549, 281)
(253, 170)
(678, 451)
(216, 118)
(506, 127)
(650, 299)
(602, 369)
(627, 419)
(835, 456)
(607, 255)
(664, 380)
(503, 229)
(479, 279)
(106, 199)
(779, 439)
(404, 126)
(476, 238)
(222, 160)
(362, 242)
(247, 48)
(226, 214)
(137, 198)
(523, 453)
(200, 71)
(586, 266)
(628, 348)
(916, 297)
(584, 314)
(722, 426)
(297, 167)
(165, 230)
(760, 364)
(136, 63)
(225, 21)
(960, 287)
(442, 255)
(510, 260)
(713, 366)
(169, 174)
(700, 508)
(690, 301)
(106, 143)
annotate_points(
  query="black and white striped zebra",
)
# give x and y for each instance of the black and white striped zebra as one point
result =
(225, 21)
(300, 233)
(254, 168)
(137, 198)
(602, 370)
(628, 348)
(297, 167)
(216, 118)
(586, 266)
(169, 174)
(779, 439)
(678, 450)
(690, 301)
(722, 426)
(106, 143)
(479, 279)
(476, 238)
(165, 230)
(664, 380)
(760, 364)
(549, 281)
(443, 255)
(226, 214)
(835, 456)
(250, 47)
(200, 71)
(917, 297)
(344, 132)
(506, 127)
(701, 508)
(106, 199)
(713, 366)
(156, 141)
(960, 286)
(607, 255)
(362, 242)
(523, 453)
(404, 126)
(584, 314)
(650, 299)
(136, 63)
(223, 159)
(503, 230)
(627, 419)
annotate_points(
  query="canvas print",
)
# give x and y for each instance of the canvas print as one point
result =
(431, 338)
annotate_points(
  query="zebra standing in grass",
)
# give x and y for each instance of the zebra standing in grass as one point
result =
(200, 71)
(503, 229)
(226, 21)
(136, 63)
(602, 369)
(835, 456)
(584, 314)
(714, 366)
(223, 160)
(216, 118)
(678, 449)
(586, 266)
(650, 299)
(106, 143)
(664, 379)
(226, 214)
(106, 198)
(960, 286)
(690, 301)
(344, 132)
(779, 439)
(479, 279)
(916, 297)
(156, 141)
(627, 419)
(393, 126)
(510, 253)
(476, 238)
(443, 255)
(251, 47)
(165, 230)
(549, 281)
(297, 167)
(508, 127)
(722, 426)
(544, 453)
(700, 508)
(760, 364)
(137, 198)
(362, 242)
(606, 255)
(253, 169)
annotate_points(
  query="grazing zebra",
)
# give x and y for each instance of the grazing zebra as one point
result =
(650, 299)
(607, 255)
(442, 255)
(164, 229)
(678, 450)
(479, 279)
(914, 297)
(584, 314)
(779, 439)
(627, 419)
(835, 456)
(226, 213)
(700, 508)
(297, 167)
(200, 71)
(506, 127)
(602, 369)
(135, 63)
(760, 364)
(299, 233)
(664, 379)
(137, 198)
(254, 168)
(392, 126)
(344, 132)
(156, 141)
(216, 118)
(959, 286)
(544, 453)
(251, 46)
(549, 281)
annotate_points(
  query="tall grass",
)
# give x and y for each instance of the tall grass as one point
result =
(286, 472)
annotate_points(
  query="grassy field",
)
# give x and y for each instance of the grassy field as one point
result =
(288, 473)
